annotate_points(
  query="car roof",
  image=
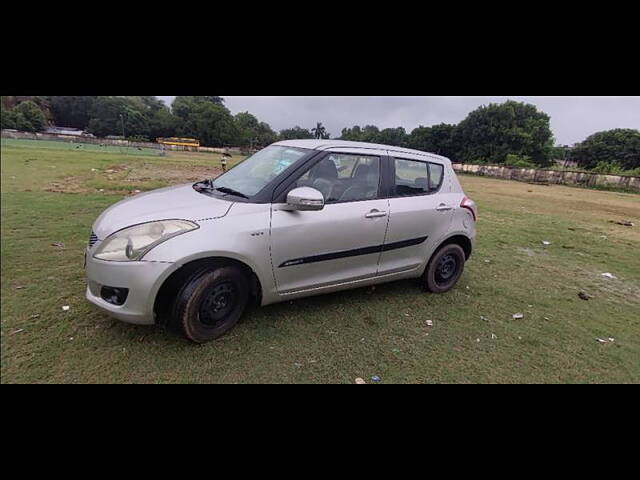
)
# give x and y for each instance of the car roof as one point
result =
(328, 144)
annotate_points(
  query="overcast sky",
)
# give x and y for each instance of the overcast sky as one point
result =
(572, 118)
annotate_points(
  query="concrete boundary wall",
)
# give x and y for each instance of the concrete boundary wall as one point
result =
(565, 177)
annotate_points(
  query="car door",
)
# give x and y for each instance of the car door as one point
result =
(420, 212)
(340, 243)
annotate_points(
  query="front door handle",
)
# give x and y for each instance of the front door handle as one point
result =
(443, 208)
(375, 214)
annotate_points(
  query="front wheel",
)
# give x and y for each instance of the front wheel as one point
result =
(211, 303)
(444, 269)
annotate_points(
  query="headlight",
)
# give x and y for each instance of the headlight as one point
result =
(132, 243)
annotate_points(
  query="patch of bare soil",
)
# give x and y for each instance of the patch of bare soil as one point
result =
(172, 174)
(68, 185)
(120, 176)
(117, 169)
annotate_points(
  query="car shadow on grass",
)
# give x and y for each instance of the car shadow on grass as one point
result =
(267, 321)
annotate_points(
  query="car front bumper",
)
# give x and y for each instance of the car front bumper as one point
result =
(143, 279)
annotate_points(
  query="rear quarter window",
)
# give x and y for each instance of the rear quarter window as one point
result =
(415, 177)
(436, 175)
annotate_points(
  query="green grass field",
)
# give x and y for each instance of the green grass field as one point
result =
(52, 194)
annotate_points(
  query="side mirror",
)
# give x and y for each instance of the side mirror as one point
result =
(305, 199)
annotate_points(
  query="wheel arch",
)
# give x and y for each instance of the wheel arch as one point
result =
(171, 285)
(458, 239)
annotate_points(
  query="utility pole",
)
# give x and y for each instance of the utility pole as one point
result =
(122, 122)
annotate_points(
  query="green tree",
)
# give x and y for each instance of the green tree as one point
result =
(438, 139)
(212, 124)
(29, 117)
(162, 123)
(109, 114)
(8, 117)
(152, 104)
(11, 101)
(619, 147)
(207, 119)
(154, 119)
(266, 135)
(252, 132)
(371, 134)
(320, 132)
(246, 121)
(72, 111)
(353, 134)
(183, 106)
(295, 133)
(491, 132)
(393, 136)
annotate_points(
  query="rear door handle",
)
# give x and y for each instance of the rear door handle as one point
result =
(375, 214)
(443, 208)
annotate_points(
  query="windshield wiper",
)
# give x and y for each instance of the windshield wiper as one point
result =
(209, 185)
(204, 185)
(230, 191)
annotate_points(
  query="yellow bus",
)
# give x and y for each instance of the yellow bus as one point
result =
(180, 142)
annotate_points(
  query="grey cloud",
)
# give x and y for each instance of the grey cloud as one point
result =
(572, 118)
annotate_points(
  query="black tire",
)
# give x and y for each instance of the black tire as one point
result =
(444, 269)
(210, 303)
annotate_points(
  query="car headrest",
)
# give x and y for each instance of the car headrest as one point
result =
(325, 169)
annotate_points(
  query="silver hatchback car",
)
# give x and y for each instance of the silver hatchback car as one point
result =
(299, 218)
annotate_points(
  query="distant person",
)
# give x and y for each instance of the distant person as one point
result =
(225, 155)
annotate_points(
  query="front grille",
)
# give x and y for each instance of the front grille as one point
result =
(93, 238)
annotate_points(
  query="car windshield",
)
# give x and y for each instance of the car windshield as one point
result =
(252, 175)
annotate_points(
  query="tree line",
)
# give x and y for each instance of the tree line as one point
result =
(146, 118)
(514, 134)
(511, 133)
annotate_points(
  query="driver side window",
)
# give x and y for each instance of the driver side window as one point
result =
(344, 178)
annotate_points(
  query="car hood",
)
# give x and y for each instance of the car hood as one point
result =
(179, 202)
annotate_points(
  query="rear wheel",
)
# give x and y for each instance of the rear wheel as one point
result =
(444, 269)
(211, 302)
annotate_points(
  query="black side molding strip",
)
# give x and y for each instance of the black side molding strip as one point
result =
(353, 253)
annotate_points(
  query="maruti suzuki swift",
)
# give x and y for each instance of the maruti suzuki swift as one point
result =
(298, 218)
